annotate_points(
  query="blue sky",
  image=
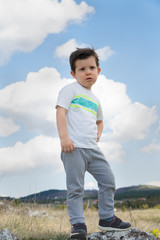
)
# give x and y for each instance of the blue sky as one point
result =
(36, 38)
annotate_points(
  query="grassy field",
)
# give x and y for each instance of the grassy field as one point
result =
(37, 222)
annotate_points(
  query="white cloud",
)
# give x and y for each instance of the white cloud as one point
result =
(25, 24)
(154, 183)
(33, 101)
(40, 152)
(153, 147)
(91, 185)
(64, 50)
(159, 127)
(113, 151)
(104, 53)
(124, 120)
(7, 127)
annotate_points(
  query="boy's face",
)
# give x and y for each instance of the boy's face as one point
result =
(86, 72)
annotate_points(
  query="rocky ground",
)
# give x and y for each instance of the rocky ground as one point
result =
(131, 234)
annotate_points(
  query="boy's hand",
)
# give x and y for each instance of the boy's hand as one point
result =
(99, 129)
(67, 145)
(98, 137)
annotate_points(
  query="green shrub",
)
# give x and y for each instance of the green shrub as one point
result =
(61, 207)
(123, 208)
(157, 206)
(145, 206)
(16, 202)
(155, 232)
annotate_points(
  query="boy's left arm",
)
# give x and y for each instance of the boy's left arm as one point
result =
(99, 129)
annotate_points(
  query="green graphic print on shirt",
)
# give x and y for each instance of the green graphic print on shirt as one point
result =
(86, 103)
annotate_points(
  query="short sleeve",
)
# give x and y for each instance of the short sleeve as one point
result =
(65, 97)
(99, 113)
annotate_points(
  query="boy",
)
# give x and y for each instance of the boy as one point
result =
(80, 125)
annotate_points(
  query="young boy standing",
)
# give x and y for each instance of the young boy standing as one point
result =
(80, 125)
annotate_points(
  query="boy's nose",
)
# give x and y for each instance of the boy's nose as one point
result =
(88, 71)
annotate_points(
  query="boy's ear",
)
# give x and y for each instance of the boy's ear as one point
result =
(99, 70)
(73, 74)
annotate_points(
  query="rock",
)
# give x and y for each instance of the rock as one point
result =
(131, 234)
(7, 235)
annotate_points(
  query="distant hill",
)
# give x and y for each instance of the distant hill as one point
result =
(133, 192)
(55, 194)
(6, 198)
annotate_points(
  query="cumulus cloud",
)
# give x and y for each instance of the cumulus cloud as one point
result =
(104, 53)
(159, 127)
(113, 151)
(7, 127)
(40, 152)
(124, 120)
(91, 185)
(64, 50)
(25, 24)
(33, 101)
(151, 148)
(154, 183)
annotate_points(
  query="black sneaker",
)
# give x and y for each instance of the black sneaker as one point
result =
(117, 224)
(79, 231)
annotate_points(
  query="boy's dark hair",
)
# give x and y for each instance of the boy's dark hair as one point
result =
(82, 53)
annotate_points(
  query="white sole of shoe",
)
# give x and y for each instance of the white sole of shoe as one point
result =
(77, 236)
(109, 229)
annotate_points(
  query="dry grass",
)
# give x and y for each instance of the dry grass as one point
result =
(46, 222)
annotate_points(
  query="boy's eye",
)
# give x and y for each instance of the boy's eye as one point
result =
(92, 67)
(82, 69)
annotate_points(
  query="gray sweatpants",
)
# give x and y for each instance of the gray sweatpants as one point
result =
(76, 164)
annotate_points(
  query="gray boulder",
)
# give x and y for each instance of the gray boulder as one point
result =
(131, 234)
(7, 235)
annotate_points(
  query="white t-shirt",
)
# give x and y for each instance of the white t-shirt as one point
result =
(84, 110)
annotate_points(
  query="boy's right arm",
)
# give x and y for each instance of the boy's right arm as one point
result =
(66, 143)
